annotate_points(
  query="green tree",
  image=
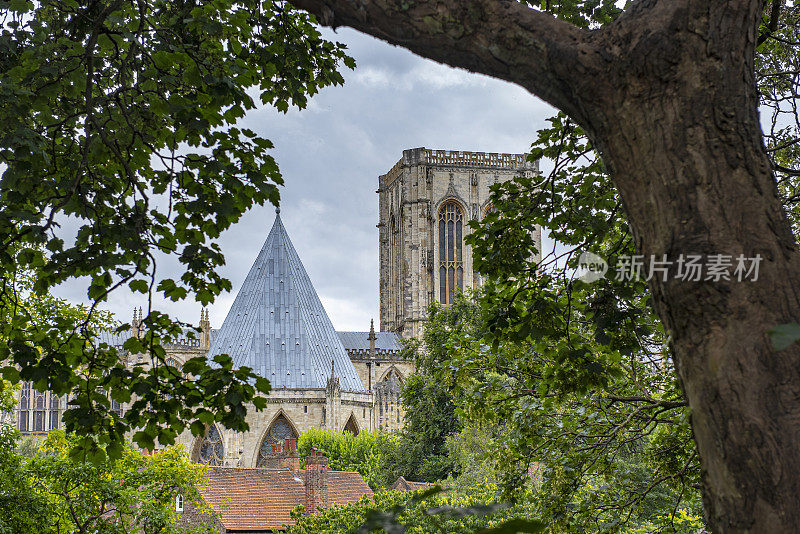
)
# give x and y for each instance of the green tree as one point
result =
(120, 117)
(668, 93)
(430, 413)
(606, 436)
(362, 453)
(473, 509)
(135, 493)
(22, 507)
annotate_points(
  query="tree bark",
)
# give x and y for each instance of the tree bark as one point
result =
(668, 95)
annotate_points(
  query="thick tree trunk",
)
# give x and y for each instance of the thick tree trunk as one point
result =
(668, 95)
(682, 140)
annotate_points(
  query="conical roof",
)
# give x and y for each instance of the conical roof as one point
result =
(278, 327)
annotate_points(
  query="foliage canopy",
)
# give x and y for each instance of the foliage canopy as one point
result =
(119, 146)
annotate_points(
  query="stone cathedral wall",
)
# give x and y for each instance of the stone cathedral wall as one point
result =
(410, 197)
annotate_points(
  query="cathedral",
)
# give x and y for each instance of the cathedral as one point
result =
(321, 378)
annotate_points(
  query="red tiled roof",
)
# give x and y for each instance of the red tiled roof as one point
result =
(261, 498)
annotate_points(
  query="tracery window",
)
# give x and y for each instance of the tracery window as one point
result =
(451, 254)
(280, 431)
(39, 411)
(24, 406)
(394, 269)
(393, 378)
(212, 450)
(39, 408)
(55, 412)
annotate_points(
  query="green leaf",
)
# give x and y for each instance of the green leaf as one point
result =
(517, 525)
(140, 286)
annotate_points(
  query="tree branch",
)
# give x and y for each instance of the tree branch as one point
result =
(772, 26)
(500, 38)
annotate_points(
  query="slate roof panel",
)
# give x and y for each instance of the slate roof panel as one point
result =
(278, 326)
(359, 340)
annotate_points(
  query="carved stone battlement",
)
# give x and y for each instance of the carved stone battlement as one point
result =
(456, 158)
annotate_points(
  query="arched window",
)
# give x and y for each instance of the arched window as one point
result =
(24, 406)
(275, 440)
(393, 377)
(212, 451)
(39, 409)
(351, 426)
(451, 256)
(394, 267)
(55, 411)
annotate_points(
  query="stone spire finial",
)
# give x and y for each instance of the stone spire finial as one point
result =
(372, 339)
(278, 210)
(333, 368)
(205, 329)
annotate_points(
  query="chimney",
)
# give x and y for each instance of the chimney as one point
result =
(282, 455)
(316, 481)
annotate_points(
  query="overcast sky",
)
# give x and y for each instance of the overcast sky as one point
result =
(331, 154)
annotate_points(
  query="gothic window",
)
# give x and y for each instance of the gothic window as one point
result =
(39, 409)
(351, 426)
(393, 378)
(275, 440)
(212, 451)
(55, 414)
(394, 269)
(24, 406)
(451, 253)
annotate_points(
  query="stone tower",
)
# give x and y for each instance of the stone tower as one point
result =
(425, 203)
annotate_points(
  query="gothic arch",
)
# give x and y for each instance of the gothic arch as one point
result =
(210, 449)
(451, 228)
(351, 425)
(487, 208)
(451, 198)
(392, 371)
(279, 429)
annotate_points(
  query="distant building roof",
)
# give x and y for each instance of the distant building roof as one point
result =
(401, 484)
(360, 341)
(260, 499)
(278, 327)
(113, 339)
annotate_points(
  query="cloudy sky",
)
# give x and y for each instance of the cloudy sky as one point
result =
(331, 154)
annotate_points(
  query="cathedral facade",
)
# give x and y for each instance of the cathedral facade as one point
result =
(425, 202)
(277, 326)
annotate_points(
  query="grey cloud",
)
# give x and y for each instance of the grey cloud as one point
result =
(331, 155)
